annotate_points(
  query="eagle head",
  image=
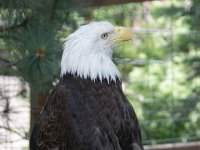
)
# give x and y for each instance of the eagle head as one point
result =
(88, 51)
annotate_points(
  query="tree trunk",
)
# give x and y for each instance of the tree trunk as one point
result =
(37, 101)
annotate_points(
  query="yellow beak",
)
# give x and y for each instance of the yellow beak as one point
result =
(122, 34)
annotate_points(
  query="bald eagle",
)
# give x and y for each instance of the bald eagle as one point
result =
(87, 109)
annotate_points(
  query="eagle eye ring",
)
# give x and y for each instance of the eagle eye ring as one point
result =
(104, 36)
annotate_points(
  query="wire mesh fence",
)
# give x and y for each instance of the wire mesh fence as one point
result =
(14, 114)
(175, 111)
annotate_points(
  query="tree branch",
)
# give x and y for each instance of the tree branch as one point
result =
(7, 63)
(6, 27)
(13, 131)
(53, 9)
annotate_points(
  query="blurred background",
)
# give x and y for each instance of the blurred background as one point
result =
(160, 67)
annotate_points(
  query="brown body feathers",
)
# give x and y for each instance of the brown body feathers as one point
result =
(85, 115)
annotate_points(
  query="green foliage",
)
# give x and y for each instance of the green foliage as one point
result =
(38, 51)
(32, 37)
(118, 14)
(164, 87)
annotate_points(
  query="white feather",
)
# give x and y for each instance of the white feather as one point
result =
(86, 54)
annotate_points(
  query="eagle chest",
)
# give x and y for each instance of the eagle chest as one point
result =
(97, 105)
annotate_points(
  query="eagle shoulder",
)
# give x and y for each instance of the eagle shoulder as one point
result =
(129, 134)
(55, 128)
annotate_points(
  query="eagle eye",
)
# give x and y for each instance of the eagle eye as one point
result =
(104, 36)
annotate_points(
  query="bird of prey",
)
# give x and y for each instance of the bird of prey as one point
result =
(87, 109)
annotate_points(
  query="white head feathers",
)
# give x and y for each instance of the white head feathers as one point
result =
(88, 52)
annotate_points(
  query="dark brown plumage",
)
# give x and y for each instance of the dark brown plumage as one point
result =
(85, 115)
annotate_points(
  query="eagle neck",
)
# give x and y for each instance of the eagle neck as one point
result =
(75, 78)
(94, 66)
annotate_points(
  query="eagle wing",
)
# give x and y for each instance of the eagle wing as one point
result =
(54, 125)
(129, 134)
